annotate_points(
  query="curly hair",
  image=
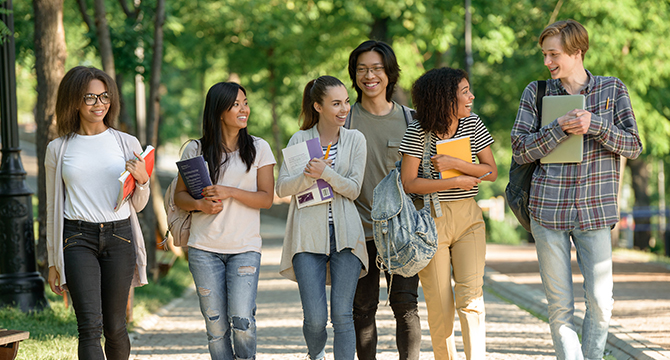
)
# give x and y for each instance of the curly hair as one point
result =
(70, 98)
(435, 98)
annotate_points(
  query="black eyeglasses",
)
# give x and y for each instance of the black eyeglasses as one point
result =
(92, 99)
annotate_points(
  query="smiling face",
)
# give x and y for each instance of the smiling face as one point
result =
(335, 107)
(91, 116)
(464, 99)
(374, 81)
(236, 118)
(560, 64)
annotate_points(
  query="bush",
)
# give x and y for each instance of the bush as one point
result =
(502, 232)
(53, 331)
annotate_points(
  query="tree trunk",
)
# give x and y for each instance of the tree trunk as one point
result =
(276, 130)
(153, 116)
(641, 173)
(124, 123)
(104, 39)
(380, 30)
(50, 55)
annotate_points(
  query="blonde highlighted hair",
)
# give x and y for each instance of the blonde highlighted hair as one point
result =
(574, 36)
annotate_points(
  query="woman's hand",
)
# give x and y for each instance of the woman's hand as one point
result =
(138, 169)
(209, 206)
(465, 182)
(54, 281)
(315, 167)
(443, 162)
(218, 192)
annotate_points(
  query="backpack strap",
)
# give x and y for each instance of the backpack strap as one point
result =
(541, 91)
(409, 114)
(432, 197)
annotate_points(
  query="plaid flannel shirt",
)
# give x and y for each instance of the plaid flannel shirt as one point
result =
(578, 195)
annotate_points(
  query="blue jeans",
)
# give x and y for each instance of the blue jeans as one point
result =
(310, 272)
(226, 285)
(594, 256)
(99, 266)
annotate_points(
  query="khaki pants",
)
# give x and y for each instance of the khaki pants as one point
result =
(461, 246)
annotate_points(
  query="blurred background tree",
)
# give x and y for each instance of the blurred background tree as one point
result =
(274, 47)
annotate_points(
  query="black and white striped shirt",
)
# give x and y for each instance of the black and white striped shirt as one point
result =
(472, 126)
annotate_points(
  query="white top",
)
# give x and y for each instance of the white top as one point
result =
(92, 165)
(237, 228)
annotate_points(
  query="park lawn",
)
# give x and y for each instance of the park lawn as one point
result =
(53, 331)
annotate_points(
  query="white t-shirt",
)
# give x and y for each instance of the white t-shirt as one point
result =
(92, 165)
(236, 229)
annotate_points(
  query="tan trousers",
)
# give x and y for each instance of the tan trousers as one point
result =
(461, 246)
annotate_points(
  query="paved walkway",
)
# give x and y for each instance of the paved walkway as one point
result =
(177, 332)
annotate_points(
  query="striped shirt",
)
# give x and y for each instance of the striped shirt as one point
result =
(472, 126)
(578, 195)
(331, 156)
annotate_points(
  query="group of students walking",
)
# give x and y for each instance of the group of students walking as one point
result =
(99, 253)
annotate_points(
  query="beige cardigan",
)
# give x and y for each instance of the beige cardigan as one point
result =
(56, 199)
(307, 228)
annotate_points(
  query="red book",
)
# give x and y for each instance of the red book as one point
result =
(127, 181)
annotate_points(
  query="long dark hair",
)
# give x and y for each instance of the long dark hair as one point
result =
(435, 98)
(70, 98)
(315, 91)
(391, 67)
(221, 98)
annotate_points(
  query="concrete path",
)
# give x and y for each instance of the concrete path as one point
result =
(178, 331)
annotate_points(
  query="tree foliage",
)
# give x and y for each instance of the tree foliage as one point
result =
(275, 46)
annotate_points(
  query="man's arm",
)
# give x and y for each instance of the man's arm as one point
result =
(619, 136)
(529, 144)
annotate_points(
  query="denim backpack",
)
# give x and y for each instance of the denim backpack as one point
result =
(518, 190)
(406, 238)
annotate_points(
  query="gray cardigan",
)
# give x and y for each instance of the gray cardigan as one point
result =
(56, 199)
(307, 228)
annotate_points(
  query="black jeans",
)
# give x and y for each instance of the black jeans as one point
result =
(403, 300)
(99, 268)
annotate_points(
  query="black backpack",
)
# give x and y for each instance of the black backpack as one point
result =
(517, 191)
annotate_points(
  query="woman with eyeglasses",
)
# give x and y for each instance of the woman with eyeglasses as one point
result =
(95, 252)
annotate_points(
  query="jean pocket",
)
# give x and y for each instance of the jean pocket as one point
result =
(70, 239)
(123, 234)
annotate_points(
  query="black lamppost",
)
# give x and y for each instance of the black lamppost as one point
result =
(20, 283)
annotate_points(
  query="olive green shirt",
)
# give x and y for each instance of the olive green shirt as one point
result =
(383, 135)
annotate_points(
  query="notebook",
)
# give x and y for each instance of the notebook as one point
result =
(572, 149)
(456, 147)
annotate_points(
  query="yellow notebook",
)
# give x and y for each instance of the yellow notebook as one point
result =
(456, 147)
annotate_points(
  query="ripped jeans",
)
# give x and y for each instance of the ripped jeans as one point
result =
(226, 285)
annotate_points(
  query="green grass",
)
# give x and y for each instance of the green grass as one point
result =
(643, 256)
(53, 331)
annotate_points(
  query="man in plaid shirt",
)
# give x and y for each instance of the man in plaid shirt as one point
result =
(576, 200)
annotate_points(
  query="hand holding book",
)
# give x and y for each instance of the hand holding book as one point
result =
(139, 170)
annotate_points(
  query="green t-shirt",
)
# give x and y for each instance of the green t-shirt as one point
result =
(383, 135)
